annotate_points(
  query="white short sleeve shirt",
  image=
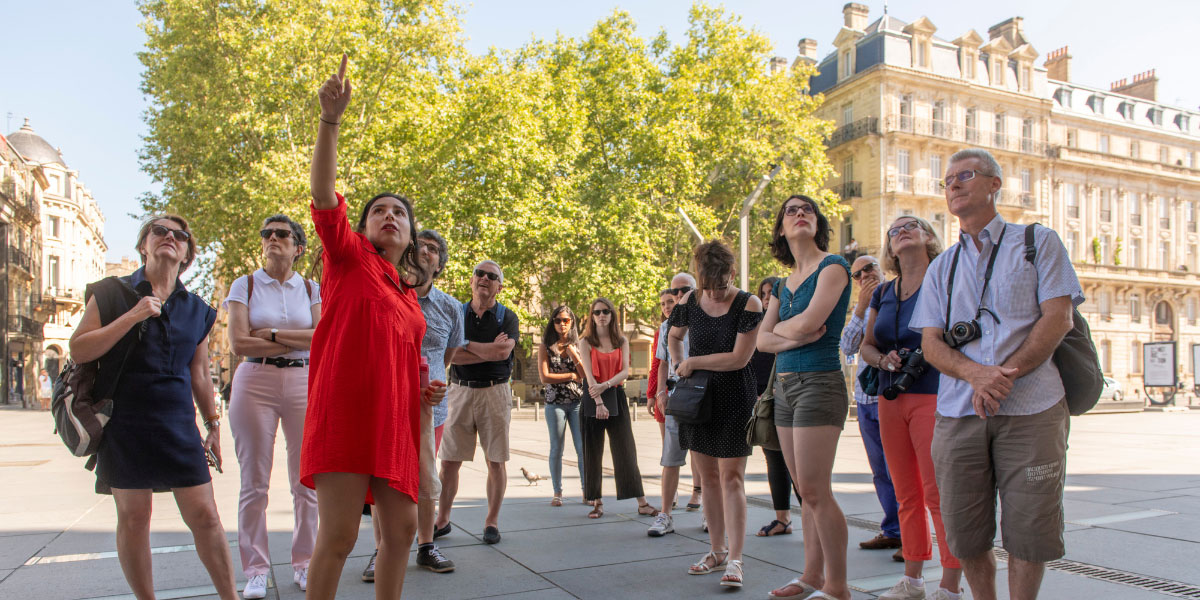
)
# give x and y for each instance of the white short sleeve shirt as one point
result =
(277, 305)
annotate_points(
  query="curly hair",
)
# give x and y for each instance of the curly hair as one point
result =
(779, 244)
(933, 245)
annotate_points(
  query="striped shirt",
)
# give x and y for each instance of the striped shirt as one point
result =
(852, 337)
(1014, 294)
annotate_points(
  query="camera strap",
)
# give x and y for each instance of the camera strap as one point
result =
(987, 277)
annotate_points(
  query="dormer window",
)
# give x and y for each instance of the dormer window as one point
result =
(1096, 103)
(847, 63)
(1155, 116)
(1026, 78)
(922, 53)
(998, 72)
(1063, 97)
(1126, 109)
(969, 65)
(1182, 122)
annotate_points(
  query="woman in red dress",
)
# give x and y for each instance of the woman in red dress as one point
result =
(361, 432)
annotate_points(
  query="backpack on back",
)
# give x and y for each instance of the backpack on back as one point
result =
(1076, 357)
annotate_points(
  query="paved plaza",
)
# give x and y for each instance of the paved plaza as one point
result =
(1132, 506)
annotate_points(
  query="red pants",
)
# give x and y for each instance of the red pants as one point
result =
(906, 426)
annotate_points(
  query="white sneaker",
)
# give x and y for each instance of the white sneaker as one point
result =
(256, 587)
(300, 578)
(944, 594)
(904, 591)
(663, 524)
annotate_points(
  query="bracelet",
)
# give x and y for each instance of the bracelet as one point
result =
(213, 423)
(335, 124)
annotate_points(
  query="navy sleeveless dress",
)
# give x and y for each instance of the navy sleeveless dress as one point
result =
(153, 441)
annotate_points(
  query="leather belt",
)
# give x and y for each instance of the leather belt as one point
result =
(279, 362)
(480, 383)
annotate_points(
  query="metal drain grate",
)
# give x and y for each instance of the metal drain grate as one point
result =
(1167, 587)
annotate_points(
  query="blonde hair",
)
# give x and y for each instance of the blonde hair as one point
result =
(933, 244)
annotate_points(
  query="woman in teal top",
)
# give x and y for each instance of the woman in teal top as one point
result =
(803, 324)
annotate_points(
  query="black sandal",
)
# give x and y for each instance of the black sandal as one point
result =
(694, 506)
(768, 528)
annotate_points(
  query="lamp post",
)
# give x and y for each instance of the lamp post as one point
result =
(744, 225)
(691, 225)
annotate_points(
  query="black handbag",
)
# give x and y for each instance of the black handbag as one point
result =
(868, 380)
(691, 402)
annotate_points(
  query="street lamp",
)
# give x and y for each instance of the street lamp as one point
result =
(744, 224)
(691, 225)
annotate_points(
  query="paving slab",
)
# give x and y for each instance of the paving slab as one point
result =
(1058, 584)
(1184, 504)
(15, 550)
(1175, 527)
(1136, 553)
(98, 578)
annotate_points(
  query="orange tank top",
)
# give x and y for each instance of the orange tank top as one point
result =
(605, 365)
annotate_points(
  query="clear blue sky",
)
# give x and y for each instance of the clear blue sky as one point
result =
(70, 66)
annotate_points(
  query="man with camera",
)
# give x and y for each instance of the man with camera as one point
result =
(991, 317)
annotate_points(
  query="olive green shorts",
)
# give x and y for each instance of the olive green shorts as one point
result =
(811, 399)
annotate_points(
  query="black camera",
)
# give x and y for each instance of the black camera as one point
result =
(962, 333)
(912, 367)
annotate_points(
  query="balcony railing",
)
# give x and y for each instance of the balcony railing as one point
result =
(1027, 200)
(1164, 223)
(1106, 216)
(999, 140)
(905, 182)
(972, 135)
(1135, 219)
(957, 133)
(19, 258)
(25, 325)
(64, 293)
(1073, 212)
(849, 189)
(855, 130)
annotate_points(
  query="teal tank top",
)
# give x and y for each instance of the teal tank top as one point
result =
(821, 355)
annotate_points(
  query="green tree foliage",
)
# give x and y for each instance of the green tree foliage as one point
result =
(563, 160)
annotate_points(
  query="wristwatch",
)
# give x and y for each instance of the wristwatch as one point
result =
(273, 332)
(213, 423)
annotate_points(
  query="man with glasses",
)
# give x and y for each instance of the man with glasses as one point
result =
(443, 338)
(1002, 420)
(673, 456)
(866, 273)
(480, 398)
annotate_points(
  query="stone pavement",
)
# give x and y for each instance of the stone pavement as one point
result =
(1132, 503)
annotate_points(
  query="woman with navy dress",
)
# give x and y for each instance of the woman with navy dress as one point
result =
(152, 443)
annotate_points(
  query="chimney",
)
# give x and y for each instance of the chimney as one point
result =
(808, 50)
(1010, 30)
(856, 16)
(779, 64)
(1144, 86)
(1058, 65)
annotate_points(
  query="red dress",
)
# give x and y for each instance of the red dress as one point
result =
(652, 384)
(363, 385)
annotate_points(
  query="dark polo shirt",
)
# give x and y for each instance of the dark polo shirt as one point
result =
(484, 330)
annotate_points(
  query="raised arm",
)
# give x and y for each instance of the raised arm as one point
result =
(334, 97)
(830, 283)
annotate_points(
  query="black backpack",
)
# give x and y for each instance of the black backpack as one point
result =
(1076, 357)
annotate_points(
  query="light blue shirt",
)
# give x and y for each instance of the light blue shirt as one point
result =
(852, 337)
(443, 330)
(664, 350)
(1015, 294)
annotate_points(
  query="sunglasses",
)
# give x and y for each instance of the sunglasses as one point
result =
(601, 311)
(282, 234)
(490, 275)
(909, 226)
(679, 290)
(562, 321)
(869, 268)
(963, 176)
(805, 208)
(178, 234)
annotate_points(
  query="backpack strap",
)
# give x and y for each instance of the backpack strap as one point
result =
(249, 294)
(466, 307)
(308, 288)
(1030, 246)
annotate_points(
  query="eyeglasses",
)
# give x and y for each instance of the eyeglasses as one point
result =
(679, 290)
(562, 321)
(282, 234)
(867, 269)
(178, 234)
(490, 275)
(909, 226)
(601, 311)
(805, 208)
(962, 176)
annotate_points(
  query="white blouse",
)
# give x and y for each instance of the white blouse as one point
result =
(276, 305)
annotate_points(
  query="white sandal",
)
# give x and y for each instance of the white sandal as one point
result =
(702, 567)
(806, 591)
(733, 574)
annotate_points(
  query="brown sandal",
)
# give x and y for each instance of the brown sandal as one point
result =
(646, 509)
(597, 511)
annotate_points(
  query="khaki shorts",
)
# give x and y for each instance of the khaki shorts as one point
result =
(811, 399)
(1021, 457)
(483, 412)
(430, 485)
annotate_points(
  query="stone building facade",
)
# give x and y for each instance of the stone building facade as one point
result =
(22, 182)
(1113, 171)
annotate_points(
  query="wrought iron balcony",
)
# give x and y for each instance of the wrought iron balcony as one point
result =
(853, 131)
(849, 189)
(25, 325)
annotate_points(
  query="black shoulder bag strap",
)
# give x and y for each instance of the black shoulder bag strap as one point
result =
(123, 288)
(1030, 245)
(987, 277)
(950, 287)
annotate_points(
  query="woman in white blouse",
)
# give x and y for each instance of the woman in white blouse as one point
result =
(272, 315)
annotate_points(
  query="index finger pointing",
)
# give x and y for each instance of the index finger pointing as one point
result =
(342, 68)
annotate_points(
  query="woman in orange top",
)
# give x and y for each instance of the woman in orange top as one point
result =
(605, 354)
(362, 428)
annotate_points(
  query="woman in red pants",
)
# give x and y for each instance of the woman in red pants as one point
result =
(362, 430)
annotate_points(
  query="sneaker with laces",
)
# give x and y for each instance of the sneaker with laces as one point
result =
(663, 524)
(434, 560)
(703, 524)
(369, 572)
(256, 587)
(904, 590)
(300, 578)
(944, 594)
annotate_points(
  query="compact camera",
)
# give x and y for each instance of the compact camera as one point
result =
(912, 367)
(962, 333)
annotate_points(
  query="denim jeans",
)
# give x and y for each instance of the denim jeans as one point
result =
(558, 417)
(868, 426)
